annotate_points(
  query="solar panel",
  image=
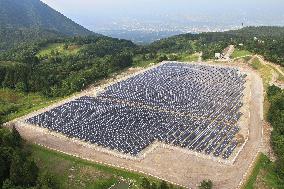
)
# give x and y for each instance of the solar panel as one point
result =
(195, 107)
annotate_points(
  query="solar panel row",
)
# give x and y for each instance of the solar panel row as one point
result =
(191, 106)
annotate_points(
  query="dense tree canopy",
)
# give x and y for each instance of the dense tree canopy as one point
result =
(276, 118)
(15, 164)
(59, 74)
(17, 168)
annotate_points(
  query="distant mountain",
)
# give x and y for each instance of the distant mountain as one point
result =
(26, 20)
(34, 13)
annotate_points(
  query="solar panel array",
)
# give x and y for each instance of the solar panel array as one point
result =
(191, 106)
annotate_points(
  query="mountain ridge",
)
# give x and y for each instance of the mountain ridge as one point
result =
(35, 13)
(34, 20)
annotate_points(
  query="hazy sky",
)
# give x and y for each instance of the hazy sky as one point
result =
(92, 13)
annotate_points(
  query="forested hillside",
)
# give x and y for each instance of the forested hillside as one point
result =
(34, 13)
(261, 31)
(10, 37)
(276, 118)
(267, 41)
(61, 66)
(17, 168)
(31, 20)
(44, 56)
(57, 73)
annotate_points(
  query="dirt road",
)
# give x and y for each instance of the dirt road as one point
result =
(276, 72)
(228, 52)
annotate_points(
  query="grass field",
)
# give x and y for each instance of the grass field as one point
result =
(58, 48)
(138, 61)
(121, 185)
(15, 104)
(76, 173)
(189, 57)
(142, 63)
(240, 53)
(280, 76)
(263, 175)
(282, 68)
(265, 71)
(256, 64)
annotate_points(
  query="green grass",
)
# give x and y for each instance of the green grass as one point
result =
(280, 76)
(10, 63)
(58, 48)
(240, 53)
(138, 61)
(266, 73)
(143, 63)
(263, 175)
(188, 57)
(72, 172)
(252, 179)
(282, 68)
(121, 185)
(264, 70)
(15, 104)
(256, 64)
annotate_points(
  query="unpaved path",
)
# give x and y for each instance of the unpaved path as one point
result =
(229, 51)
(271, 64)
(275, 74)
(200, 57)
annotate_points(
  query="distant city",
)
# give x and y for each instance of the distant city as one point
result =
(145, 21)
(142, 29)
(147, 32)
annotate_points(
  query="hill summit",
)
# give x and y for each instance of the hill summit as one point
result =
(34, 13)
(28, 20)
